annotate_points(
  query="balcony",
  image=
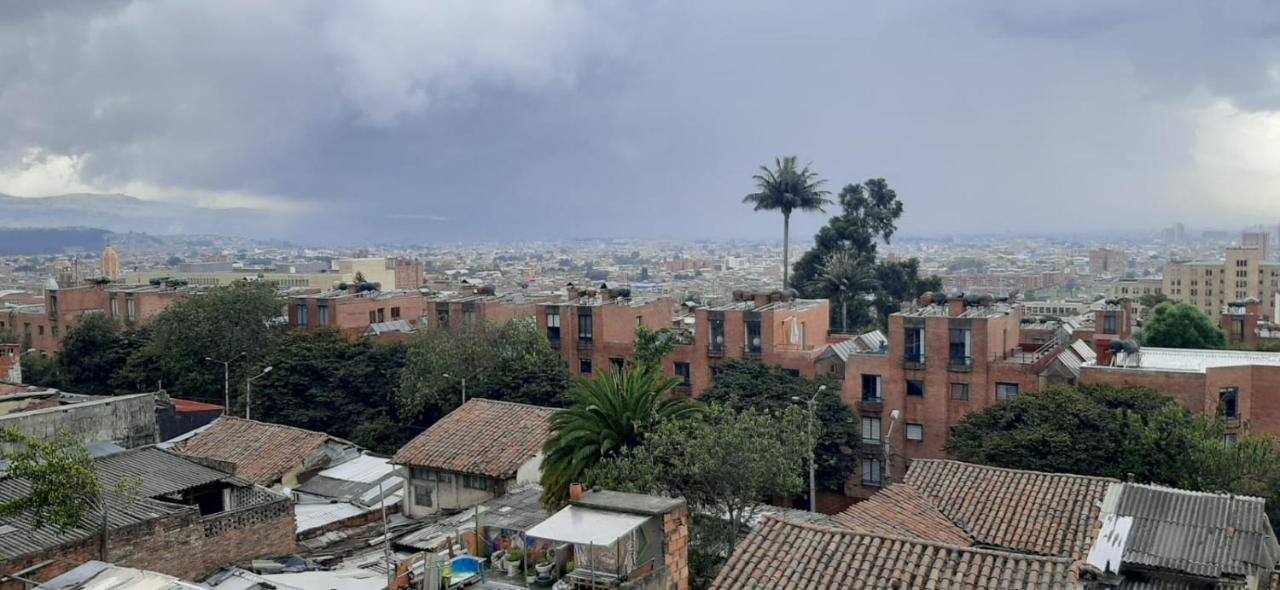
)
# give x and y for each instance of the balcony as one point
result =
(913, 362)
(584, 343)
(715, 351)
(555, 342)
(960, 364)
(752, 352)
(871, 402)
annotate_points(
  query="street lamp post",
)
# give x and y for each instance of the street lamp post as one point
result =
(464, 386)
(226, 380)
(813, 449)
(248, 391)
(888, 447)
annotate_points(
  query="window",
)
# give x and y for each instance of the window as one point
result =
(915, 388)
(382, 314)
(914, 338)
(871, 429)
(468, 317)
(442, 317)
(422, 496)
(130, 310)
(553, 325)
(323, 315)
(717, 336)
(618, 364)
(685, 373)
(475, 482)
(871, 472)
(1237, 329)
(1109, 323)
(961, 347)
(40, 329)
(115, 307)
(302, 315)
(585, 328)
(915, 432)
(871, 388)
(716, 370)
(755, 345)
(373, 317)
(53, 305)
(54, 329)
(1228, 402)
(1006, 391)
(1229, 439)
(792, 372)
(395, 313)
(584, 366)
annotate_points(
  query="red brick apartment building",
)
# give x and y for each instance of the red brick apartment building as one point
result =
(596, 331)
(43, 326)
(1248, 325)
(481, 306)
(943, 361)
(352, 312)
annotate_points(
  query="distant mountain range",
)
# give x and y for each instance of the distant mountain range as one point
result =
(123, 213)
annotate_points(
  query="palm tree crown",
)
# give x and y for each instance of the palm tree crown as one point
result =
(610, 413)
(787, 188)
(843, 275)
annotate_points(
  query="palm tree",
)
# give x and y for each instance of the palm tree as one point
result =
(786, 189)
(610, 413)
(843, 275)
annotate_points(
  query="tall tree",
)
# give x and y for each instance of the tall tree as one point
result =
(744, 385)
(610, 413)
(844, 276)
(321, 381)
(511, 361)
(786, 188)
(1182, 325)
(869, 214)
(92, 352)
(652, 346)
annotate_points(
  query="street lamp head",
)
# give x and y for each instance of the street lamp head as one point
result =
(209, 358)
(795, 398)
(822, 388)
(445, 375)
(268, 370)
(895, 414)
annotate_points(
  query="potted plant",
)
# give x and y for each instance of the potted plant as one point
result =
(548, 562)
(514, 559)
(497, 558)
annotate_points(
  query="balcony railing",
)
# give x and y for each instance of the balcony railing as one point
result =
(961, 364)
(913, 361)
(715, 351)
(752, 352)
(584, 343)
(870, 399)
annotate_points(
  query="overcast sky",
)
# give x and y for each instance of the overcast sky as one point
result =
(431, 119)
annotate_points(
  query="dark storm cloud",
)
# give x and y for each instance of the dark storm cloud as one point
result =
(449, 120)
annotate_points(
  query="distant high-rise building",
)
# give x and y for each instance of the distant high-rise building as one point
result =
(110, 263)
(1257, 239)
(1104, 261)
(1210, 284)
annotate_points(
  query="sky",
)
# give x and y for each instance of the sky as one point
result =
(447, 120)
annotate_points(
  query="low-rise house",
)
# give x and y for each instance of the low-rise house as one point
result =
(98, 575)
(958, 525)
(163, 512)
(349, 494)
(477, 452)
(266, 454)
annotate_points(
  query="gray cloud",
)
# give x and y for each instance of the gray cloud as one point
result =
(556, 118)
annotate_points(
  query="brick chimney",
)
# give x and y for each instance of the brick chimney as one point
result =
(955, 306)
(575, 492)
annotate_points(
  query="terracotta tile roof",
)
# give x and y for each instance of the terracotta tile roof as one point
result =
(1044, 513)
(901, 511)
(793, 556)
(261, 452)
(482, 437)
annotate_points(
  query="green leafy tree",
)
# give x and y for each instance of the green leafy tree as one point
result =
(321, 381)
(899, 281)
(652, 346)
(92, 352)
(44, 371)
(869, 213)
(511, 361)
(62, 486)
(1250, 467)
(223, 323)
(1150, 300)
(745, 385)
(610, 413)
(1094, 430)
(845, 277)
(727, 463)
(786, 188)
(1182, 325)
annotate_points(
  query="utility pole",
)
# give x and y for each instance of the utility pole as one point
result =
(248, 391)
(813, 449)
(226, 380)
(888, 447)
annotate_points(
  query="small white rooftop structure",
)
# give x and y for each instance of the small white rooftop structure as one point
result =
(586, 526)
(97, 575)
(1191, 360)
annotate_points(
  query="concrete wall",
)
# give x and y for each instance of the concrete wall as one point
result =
(127, 420)
(446, 496)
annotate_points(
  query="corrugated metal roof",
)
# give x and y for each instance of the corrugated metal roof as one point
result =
(1196, 533)
(365, 468)
(97, 575)
(1193, 360)
(156, 472)
(121, 511)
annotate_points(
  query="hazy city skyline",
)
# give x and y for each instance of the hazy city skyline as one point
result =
(530, 120)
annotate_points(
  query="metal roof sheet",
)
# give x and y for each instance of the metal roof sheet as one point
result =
(1192, 360)
(156, 472)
